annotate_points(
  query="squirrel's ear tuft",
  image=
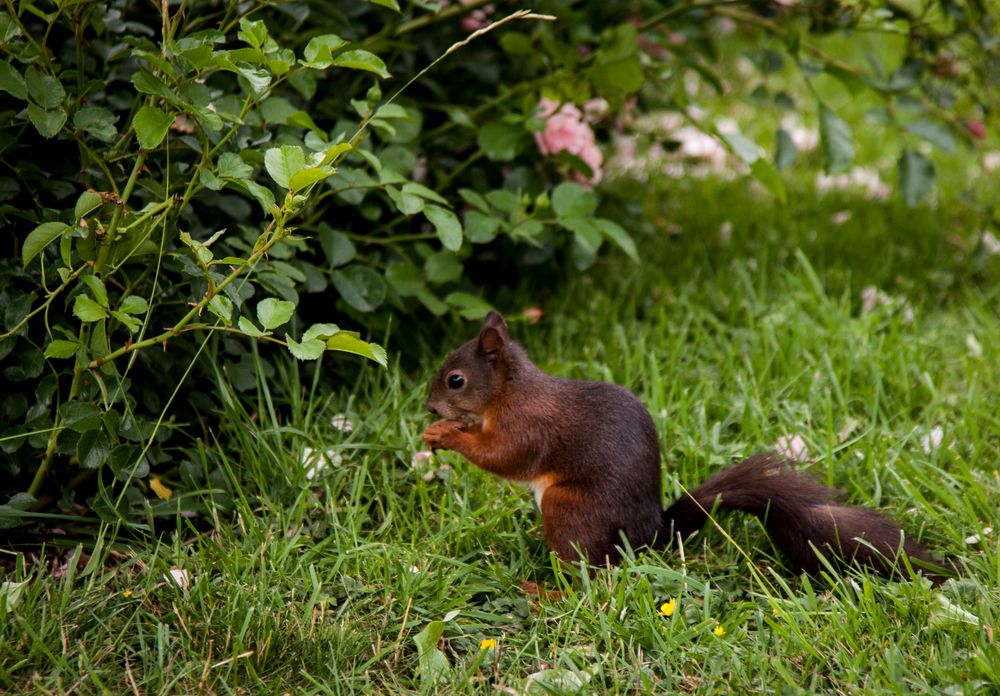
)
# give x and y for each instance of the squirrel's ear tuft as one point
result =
(492, 336)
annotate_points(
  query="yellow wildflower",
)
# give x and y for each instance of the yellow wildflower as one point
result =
(667, 608)
(127, 593)
(719, 630)
(487, 644)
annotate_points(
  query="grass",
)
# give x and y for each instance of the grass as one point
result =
(325, 585)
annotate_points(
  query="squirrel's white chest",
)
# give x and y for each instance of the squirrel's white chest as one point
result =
(537, 486)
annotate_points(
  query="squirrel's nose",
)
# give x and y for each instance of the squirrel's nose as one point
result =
(430, 407)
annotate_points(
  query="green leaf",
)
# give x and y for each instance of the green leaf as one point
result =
(836, 139)
(319, 51)
(480, 228)
(500, 141)
(147, 83)
(272, 312)
(443, 267)
(11, 591)
(617, 234)
(349, 342)
(93, 449)
(61, 349)
(362, 60)
(97, 289)
(337, 247)
(323, 331)
(469, 306)
(431, 662)
(570, 199)
(936, 133)
(916, 177)
(309, 349)
(222, 307)
(406, 279)
(47, 123)
(11, 81)
(586, 231)
(307, 176)
(247, 327)
(44, 90)
(744, 148)
(764, 172)
(151, 125)
(88, 200)
(129, 322)
(447, 226)
(232, 166)
(86, 310)
(258, 78)
(360, 286)
(282, 163)
(407, 204)
(785, 152)
(415, 189)
(391, 4)
(39, 238)
(618, 76)
(9, 518)
(80, 416)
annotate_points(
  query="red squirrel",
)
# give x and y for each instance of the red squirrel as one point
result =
(589, 452)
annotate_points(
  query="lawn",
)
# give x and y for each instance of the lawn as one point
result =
(871, 341)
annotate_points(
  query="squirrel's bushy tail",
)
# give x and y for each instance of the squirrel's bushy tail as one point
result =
(799, 513)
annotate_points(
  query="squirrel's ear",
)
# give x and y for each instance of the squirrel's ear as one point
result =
(492, 335)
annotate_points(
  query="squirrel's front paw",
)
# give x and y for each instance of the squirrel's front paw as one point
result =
(441, 434)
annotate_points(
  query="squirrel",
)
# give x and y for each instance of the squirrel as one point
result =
(590, 453)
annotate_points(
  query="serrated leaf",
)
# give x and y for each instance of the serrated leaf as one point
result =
(310, 349)
(272, 312)
(247, 327)
(97, 121)
(282, 163)
(151, 125)
(319, 51)
(469, 306)
(93, 449)
(349, 342)
(232, 166)
(617, 234)
(129, 322)
(307, 176)
(133, 304)
(39, 238)
(97, 289)
(447, 226)
(836, 140)
(916, 177)
(936, 133)
(570, 199)
(500, 141)
(44, 90)
(320, 331)
(407, 204)
(147, 83)
(360, 286)
(443, 267)
(47, 122)
(11, 81)
(362, 60)
(87, 201)
(222, 307)
(60, 349)
(80, 416)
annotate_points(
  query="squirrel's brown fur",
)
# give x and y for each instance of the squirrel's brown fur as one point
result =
(589, 451)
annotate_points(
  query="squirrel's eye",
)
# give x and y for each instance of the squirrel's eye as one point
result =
(456, 381)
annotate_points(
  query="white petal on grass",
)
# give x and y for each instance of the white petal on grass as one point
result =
(791, 447)
(990, 243)
(932, 440)
(840, 217)
(342, 422)
(314, 461)
(420, 458)
(179, 577)
(976, 538)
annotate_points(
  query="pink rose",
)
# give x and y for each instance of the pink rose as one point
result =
(566, 131)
